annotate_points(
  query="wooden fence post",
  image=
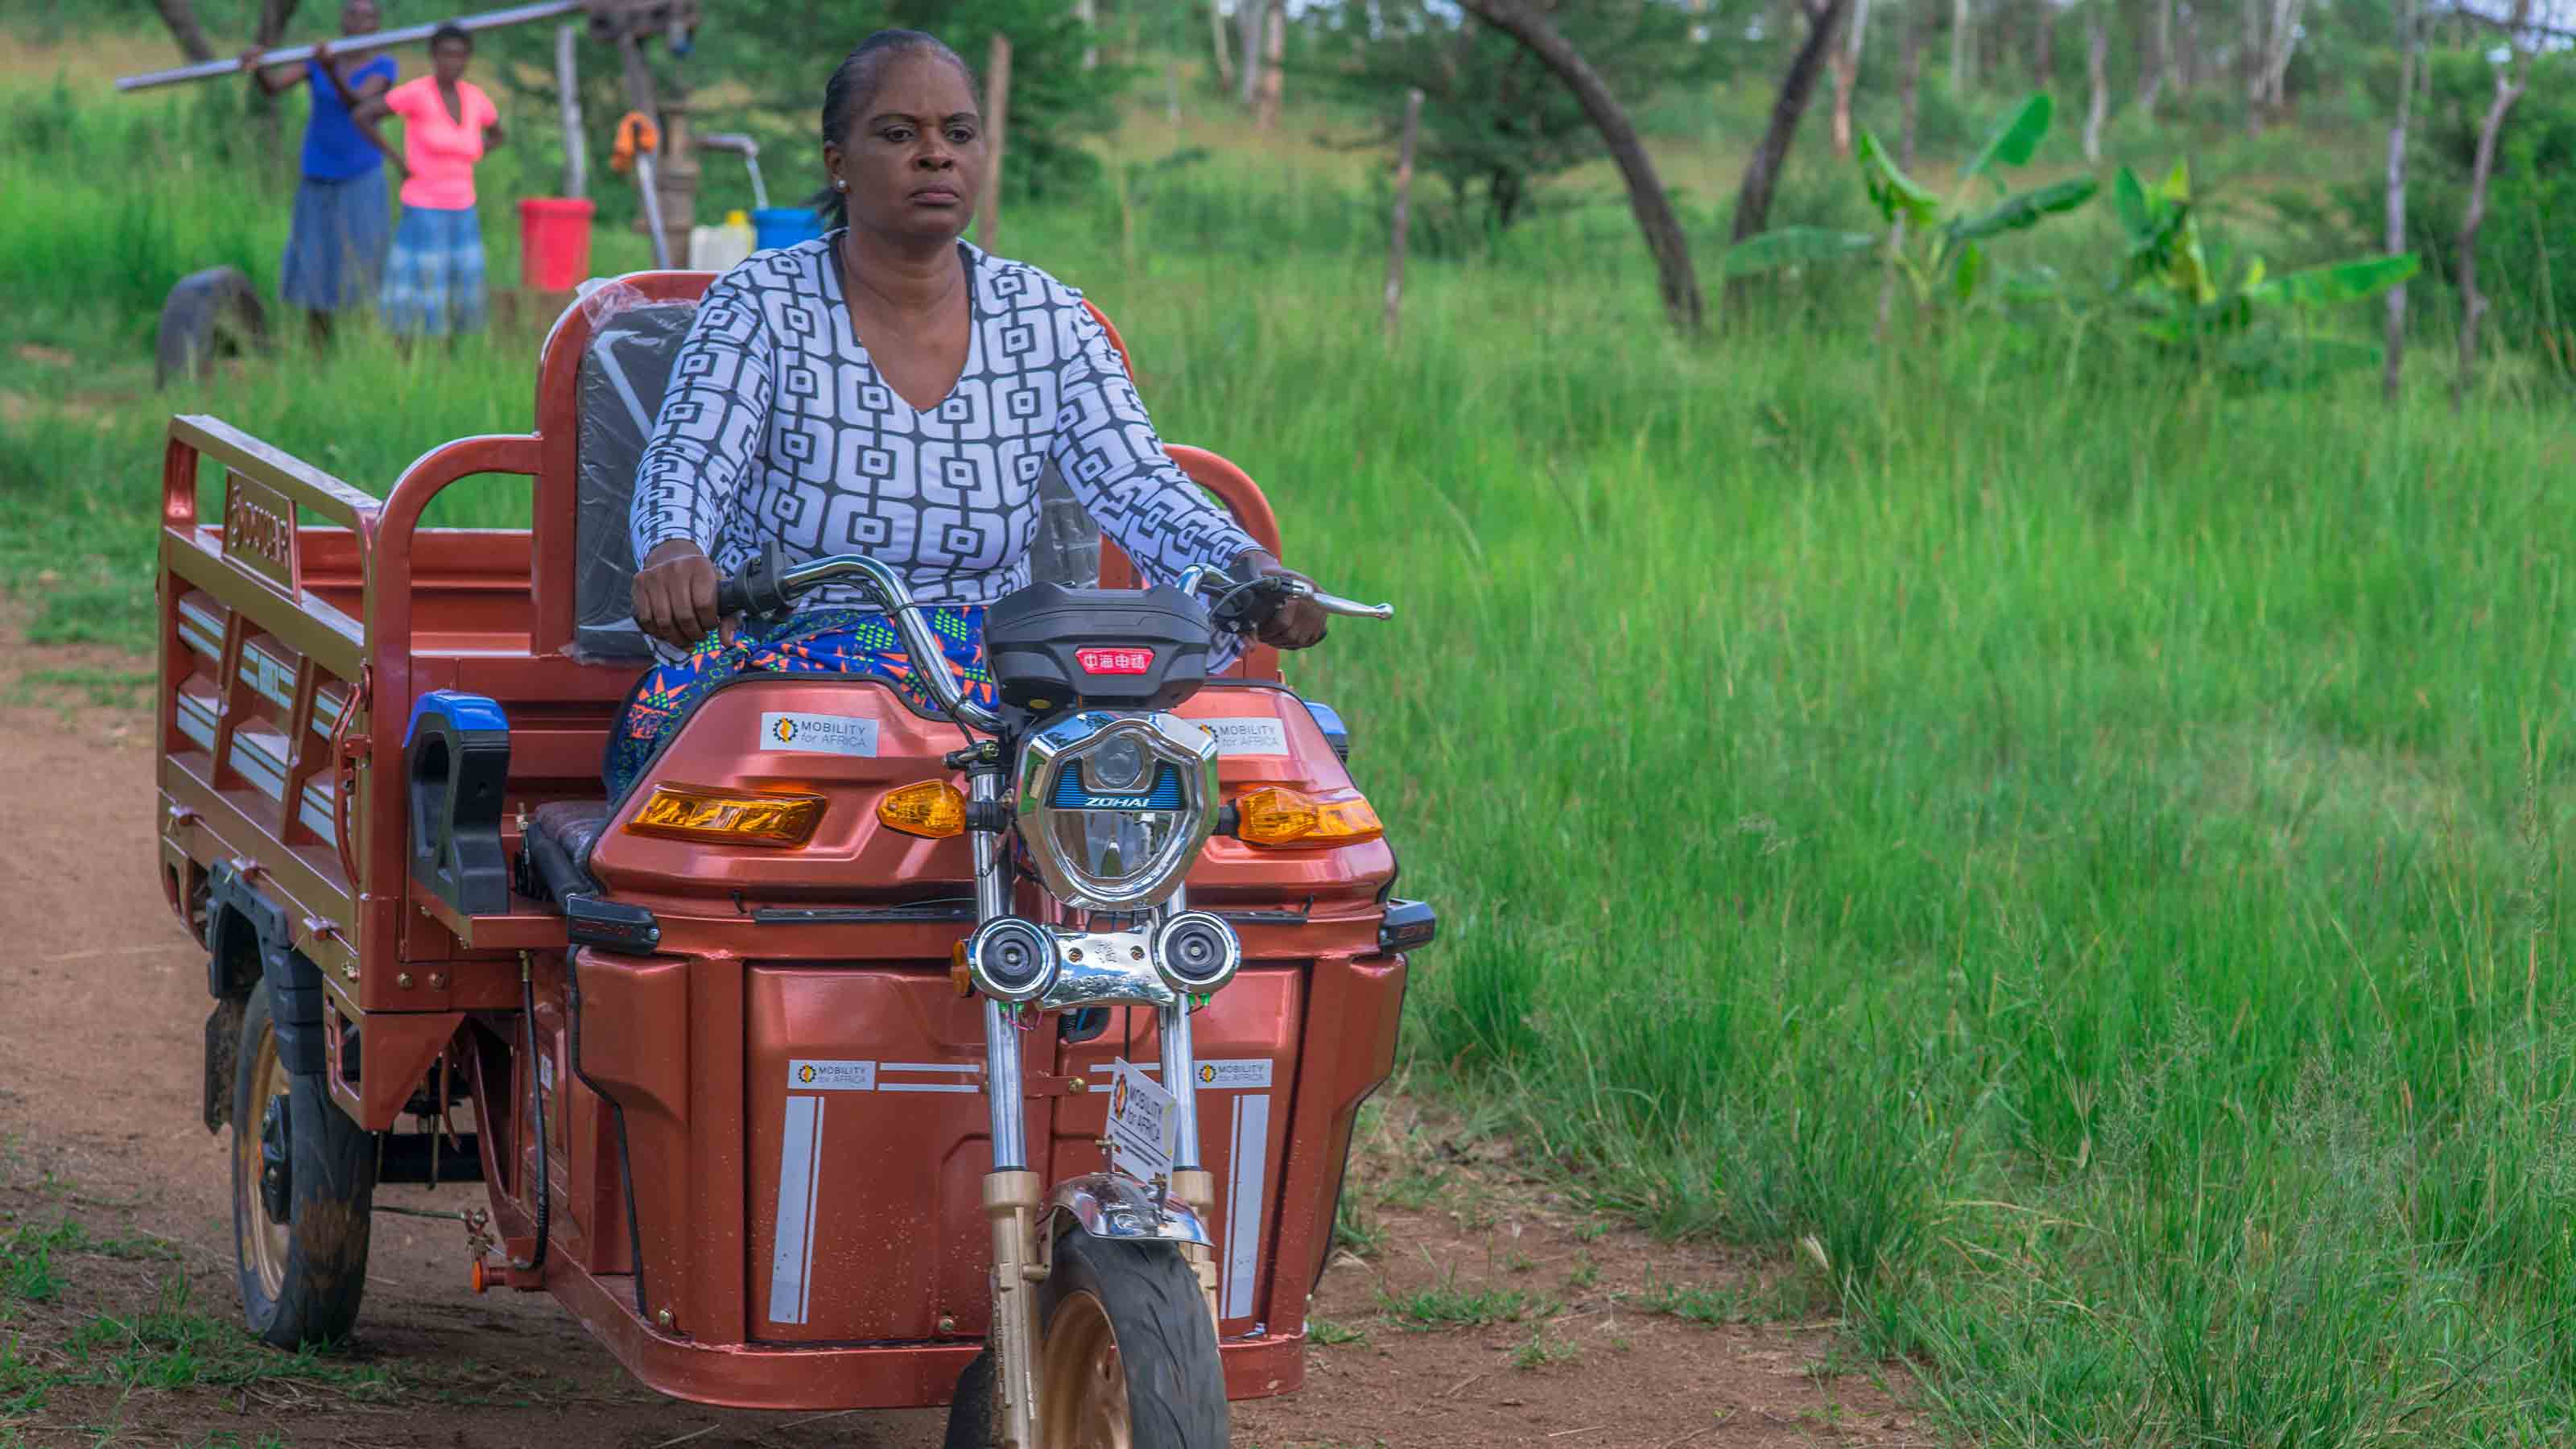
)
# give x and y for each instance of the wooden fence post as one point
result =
(1403, 216)
(997, 115)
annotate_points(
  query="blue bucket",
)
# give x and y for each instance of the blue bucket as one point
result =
(784, 226)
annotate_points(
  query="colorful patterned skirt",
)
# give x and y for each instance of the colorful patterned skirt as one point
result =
(825, 641)
(434, 278)
(335, 247)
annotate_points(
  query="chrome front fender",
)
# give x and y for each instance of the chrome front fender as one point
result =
(1107, 1205)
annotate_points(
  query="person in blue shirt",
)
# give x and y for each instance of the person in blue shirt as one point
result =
(335, 247)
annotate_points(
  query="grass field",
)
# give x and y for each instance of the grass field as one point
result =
(2072, 855)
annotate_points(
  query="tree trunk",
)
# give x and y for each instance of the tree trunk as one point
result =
(1273, 50)
(1654, 210)
(2043, 55)
(1088, 12)
(2155, 55)
(1224, 42)
(1847, 77)
(181, 17)
(1909, 77)
(2473, 303)
(2251, 63)
(1960, 49)
(2185, 70)
(273, 17)
(997, 121)
(1403, 221)
(1762, 172)
(1909, 83)
(2097, 51)
(2410, 42)
(1248, 15)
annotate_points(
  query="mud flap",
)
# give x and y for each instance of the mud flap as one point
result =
(223, 1047)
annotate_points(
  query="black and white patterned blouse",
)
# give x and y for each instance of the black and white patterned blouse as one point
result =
(777, 425)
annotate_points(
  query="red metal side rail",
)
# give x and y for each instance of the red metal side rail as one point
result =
(254, 570)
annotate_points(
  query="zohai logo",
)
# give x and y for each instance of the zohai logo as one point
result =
(1207, 1073)
(785, 730)
(805, 1073)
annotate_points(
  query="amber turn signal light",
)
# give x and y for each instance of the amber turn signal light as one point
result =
(1275, 815)
(931, 809)
(729, 817)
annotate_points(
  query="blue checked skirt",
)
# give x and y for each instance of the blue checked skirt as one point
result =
(335, 247)
(434, 278)
(824, 641)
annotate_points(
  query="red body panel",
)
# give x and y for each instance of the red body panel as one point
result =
(688, 1168)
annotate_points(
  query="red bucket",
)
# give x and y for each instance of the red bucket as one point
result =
(554, 242)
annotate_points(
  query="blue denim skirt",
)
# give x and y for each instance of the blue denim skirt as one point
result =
(335, 247)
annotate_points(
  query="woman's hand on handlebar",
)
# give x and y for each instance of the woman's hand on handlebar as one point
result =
(1298, 623)
(675, 594)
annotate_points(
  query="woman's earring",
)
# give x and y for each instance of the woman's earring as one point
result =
(840, 186)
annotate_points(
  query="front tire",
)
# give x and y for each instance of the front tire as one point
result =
(304, 1187)
(1127, 1358)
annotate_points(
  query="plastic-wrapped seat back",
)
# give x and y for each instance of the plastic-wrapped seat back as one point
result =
(623, 374)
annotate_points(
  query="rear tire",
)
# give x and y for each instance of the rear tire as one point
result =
(304, 1187)
(210, 314)
(1127, 1344)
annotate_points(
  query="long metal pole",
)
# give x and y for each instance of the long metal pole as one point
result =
(568, 96)
(353, 44)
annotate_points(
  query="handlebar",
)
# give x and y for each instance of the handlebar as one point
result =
(767, 585)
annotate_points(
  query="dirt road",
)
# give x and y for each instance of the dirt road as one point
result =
(1482, 1313)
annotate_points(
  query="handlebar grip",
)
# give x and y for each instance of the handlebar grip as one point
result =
(732, 597)
(761, 587)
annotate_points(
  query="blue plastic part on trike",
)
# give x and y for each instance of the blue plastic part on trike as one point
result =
(1336, 733)
(473, 712)
(456, 769)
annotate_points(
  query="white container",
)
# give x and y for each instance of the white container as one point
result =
(717, 248)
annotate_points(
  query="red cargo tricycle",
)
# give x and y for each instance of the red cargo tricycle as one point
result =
(861, 1055)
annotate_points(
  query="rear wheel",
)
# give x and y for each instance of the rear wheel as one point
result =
(1127, 1358)
(304, 1184)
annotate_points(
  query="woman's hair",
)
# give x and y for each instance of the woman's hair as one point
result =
(854, 84)
(453, 32)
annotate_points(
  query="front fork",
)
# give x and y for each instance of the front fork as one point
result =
(1013, 1197)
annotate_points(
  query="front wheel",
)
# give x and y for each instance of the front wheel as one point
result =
(1127, 1357)
(304, 1186)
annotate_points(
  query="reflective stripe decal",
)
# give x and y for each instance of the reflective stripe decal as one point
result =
(886, 1086)
(1249, 1157)
(791, 1263)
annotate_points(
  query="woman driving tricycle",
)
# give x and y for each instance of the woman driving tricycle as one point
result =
(891, 390)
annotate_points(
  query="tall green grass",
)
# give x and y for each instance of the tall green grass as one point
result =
(2074, 855)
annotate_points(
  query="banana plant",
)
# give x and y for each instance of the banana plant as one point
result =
(1940, 249)
(2168, 272)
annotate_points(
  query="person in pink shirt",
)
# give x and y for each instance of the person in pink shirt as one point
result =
(434, 276)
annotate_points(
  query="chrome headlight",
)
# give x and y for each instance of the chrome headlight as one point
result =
(1114, 808)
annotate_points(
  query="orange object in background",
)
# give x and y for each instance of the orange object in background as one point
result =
(635, 133)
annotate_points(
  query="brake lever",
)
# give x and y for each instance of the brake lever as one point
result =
(1349, 608)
